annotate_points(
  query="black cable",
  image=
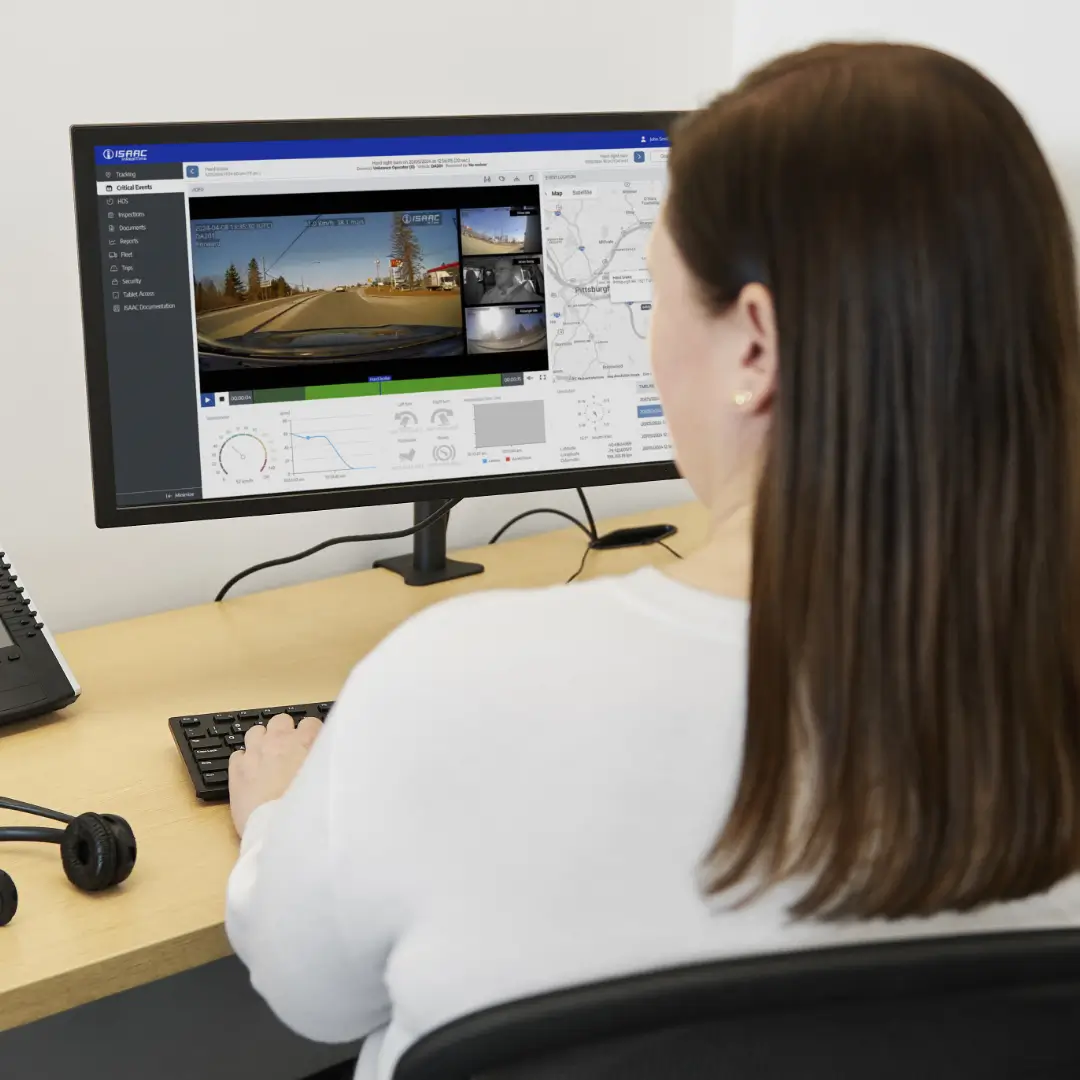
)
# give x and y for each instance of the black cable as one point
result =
(33, 834)
(588, 513)
(542, 510)
(358, 539)
(590, 530)
(577, 572)
(37, 811)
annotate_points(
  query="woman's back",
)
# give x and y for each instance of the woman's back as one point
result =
(531, 815)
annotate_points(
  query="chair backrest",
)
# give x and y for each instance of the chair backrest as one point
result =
(989, 1007)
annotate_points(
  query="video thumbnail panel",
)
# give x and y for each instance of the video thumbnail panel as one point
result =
(503, 279)
(501, 230)
(505, 329)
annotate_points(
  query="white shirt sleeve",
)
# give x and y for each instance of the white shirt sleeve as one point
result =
(284, 916)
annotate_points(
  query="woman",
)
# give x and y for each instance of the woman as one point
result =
(865, 336)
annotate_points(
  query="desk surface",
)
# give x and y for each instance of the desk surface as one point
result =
(112, 751)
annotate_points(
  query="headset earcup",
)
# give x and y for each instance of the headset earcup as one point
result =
(89, 853)
(9, 899)
(126, 849)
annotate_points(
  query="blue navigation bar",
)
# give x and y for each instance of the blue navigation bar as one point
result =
(409, 146)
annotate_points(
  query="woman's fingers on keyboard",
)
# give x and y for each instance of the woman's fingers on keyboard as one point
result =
(308, 729)
(278, 725)
(253, 735)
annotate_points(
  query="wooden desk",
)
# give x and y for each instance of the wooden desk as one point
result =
(112, 751)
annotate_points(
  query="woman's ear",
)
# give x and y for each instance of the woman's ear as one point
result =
(755, 315)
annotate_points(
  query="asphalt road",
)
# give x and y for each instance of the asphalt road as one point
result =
(473, 245)
(331, 310)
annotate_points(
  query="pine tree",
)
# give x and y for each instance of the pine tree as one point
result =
(234, 287)
(405, 247)
(254, 280)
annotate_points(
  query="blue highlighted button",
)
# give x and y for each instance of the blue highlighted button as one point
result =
(649, 410)
(206, 400)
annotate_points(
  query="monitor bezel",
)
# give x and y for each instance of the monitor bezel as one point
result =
(84, 137)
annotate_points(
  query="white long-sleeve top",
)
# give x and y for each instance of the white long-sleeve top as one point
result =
(513, 793)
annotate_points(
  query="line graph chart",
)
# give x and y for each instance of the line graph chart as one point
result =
(330, 444)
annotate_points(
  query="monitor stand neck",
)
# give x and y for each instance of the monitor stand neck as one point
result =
(427, 563)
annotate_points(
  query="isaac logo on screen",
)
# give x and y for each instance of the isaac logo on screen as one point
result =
(124, 154)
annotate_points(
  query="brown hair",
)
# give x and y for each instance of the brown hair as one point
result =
(912, 734)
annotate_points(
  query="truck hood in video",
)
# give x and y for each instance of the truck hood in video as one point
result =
(266, 348)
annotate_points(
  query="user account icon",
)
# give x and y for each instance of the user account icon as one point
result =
(193, 172)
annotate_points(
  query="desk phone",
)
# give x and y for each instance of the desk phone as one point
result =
(34, 677)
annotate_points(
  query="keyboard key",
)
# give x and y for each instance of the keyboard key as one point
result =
(212, 755)
(205, 744)
(297, 710)
(209, 766)
(249, 714)
(273, 712)
(195, 733)
(240, 726)
(224, 716)
(215, 778)
(219, 731)
(324, 706)
(189, 721)
(234, 740)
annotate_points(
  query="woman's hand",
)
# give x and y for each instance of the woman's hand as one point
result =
(271, 757)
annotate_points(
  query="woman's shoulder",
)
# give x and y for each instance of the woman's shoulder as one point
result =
(609, 617)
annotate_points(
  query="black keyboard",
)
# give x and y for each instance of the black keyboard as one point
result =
(206, 741)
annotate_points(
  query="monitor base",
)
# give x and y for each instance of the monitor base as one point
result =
(405, 565)
(427, 563)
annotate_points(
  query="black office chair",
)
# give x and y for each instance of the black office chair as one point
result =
(989, 1007)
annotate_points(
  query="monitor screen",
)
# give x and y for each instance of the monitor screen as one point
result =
(370, 315)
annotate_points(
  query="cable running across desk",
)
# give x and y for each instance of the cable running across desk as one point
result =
(397, 534)
(589, 530)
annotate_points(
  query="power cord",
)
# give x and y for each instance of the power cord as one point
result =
(592, 547)
(589, 530)
(634, 537)
(358, 539)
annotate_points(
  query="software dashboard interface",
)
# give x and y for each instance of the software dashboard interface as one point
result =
(313, 315)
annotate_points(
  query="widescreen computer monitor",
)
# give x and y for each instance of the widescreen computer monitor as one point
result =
(304, 315)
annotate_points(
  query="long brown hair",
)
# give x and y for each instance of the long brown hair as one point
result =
(912, 733)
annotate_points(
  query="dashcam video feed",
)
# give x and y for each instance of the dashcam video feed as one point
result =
(503, 279)
(303, 289)
(505, 329)
(501, 230)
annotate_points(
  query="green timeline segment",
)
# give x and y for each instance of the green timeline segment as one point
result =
(395, 387)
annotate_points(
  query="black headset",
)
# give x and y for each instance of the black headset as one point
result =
(97, 850)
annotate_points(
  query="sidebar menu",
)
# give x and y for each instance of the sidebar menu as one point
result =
(148, 331)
